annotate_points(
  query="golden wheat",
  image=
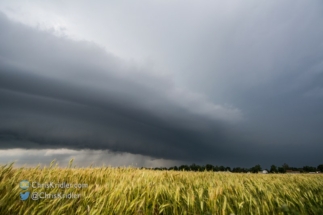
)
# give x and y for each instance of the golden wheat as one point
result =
(140, 191)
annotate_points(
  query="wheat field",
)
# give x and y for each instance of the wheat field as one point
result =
(138, 191)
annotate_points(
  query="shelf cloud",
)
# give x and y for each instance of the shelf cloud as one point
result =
(237, 87)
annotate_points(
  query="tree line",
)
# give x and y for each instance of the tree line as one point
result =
(255, 169)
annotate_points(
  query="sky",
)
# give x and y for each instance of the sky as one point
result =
(161, 83)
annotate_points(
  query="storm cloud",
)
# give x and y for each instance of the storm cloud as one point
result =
(238, 87)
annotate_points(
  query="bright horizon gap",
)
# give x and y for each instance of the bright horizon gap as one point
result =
(106, 158)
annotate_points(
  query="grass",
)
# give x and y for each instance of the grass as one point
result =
(135, 191)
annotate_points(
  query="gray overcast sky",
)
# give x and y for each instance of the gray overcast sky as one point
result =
(160, 83)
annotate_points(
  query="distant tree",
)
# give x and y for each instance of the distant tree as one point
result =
(309, 169)
(295, 168)
(228, 168)
(193, 167)
(273, 169)
(216, 169)
(255, 169)
(221, 168)
(184, 167)
(320, 167)
(237, 169)
(209, 167)
(281, 170)
(285, 166)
